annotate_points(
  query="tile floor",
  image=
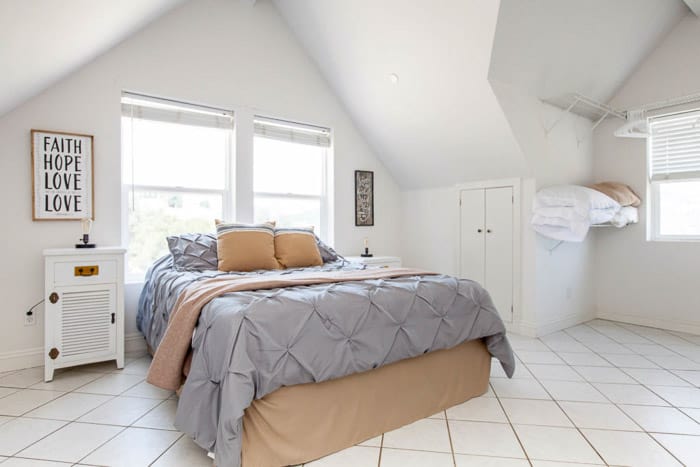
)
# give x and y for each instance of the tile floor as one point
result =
(602, 393)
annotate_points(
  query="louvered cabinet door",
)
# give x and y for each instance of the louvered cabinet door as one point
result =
(83, 319)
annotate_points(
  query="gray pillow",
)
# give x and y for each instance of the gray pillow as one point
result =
(328, 254)
(194, 251)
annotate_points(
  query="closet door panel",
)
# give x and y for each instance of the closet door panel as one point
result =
(498, 267)
(472, 235)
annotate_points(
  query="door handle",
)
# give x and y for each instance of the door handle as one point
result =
(479, 230)
(488, 230)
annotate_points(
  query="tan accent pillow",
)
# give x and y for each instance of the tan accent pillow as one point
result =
(297, 248)
(246, 247)
(620, 192)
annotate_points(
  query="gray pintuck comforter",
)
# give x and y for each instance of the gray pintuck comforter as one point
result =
(248, 344)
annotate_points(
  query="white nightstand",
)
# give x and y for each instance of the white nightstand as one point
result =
(84, 308)
(377, 261)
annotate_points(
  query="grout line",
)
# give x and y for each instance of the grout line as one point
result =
(517, 437)
(168, 449)
(449, 436)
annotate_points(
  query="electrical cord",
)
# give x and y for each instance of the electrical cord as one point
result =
(30, 312)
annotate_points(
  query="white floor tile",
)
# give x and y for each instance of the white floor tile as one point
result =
(658, 377)
(573, 391)
(480, 409)
(113, 384)
(685, 448)
(486, 439)
(69, 406)
(581, 358)
(675, 362)
(530, 356)
(66, 381)
(554, 372)
(438, 415)
(7, 391)
(679, 397)
(145, 389)
(526, 343)
(464, 460)
(602, 416)
(519, 388)
(627, 448)
(23, 378)
(693, 377)
(628, 361)
(595, 374)
(71, 443)
(520, 372)
(425, 435)
(562, 342)
(375, 442)
(611, 348)
(120, 411)
(136, 367)
(161, 417)
(19, 433)
(400, 458)
(662, 419)
(351, 457)
(132, 447)
(650, 349)
(692, 413)
(21, 462)
(536, 463)
(101, 367)
(556, 444)
(25, 400)
(534, 412)
(629, 394)
(4, 419)
(184, 453)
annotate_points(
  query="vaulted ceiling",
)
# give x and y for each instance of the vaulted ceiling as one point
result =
(43, 40)
(415, 75)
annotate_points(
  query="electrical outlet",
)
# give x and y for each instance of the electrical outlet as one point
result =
(30, 320)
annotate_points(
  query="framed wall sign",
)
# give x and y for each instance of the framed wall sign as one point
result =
(62, 170)
(364, 198)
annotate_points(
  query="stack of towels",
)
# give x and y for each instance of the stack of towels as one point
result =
(566, 212)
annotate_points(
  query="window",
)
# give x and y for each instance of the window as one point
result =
(176, 173)
(291, 173)
(674, 174)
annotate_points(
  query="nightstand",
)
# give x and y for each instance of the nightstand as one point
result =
(377, 261)
(84, 308)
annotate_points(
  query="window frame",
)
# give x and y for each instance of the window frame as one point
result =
(228, 193)
(654, 191)
(324, 198)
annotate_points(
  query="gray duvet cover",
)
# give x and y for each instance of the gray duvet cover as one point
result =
(248, 344)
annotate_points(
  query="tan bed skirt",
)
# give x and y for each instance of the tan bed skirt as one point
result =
(300, 423)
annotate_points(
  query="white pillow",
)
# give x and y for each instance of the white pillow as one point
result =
(574, 196)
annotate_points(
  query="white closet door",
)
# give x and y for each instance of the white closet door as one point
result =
(472, 235)
(498, 251)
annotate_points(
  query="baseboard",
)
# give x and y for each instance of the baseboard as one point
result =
(28, 358)
(21, 359)
(680, 326)
(134, 342)
(530, 329)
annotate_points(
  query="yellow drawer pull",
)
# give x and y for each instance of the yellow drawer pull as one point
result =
(86, 271)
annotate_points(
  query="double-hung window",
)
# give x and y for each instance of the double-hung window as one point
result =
(177, 161)
(674, 176)
(290, 182)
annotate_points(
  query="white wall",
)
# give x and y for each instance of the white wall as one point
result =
(649, 283)
(557, 288)
(218, 52)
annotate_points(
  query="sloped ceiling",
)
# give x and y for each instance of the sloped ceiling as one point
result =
(441, 123)
(43, 40)
(552, 48)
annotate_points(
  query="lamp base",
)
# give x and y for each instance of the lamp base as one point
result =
(85, 245)
(366, 255)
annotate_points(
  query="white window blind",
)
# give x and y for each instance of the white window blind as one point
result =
(292, 132)
(674, 146)
(163, 110)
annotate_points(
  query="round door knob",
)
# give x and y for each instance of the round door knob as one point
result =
(478, 230)
(488, 230)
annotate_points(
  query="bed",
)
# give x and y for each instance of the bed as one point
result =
(286, 366)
